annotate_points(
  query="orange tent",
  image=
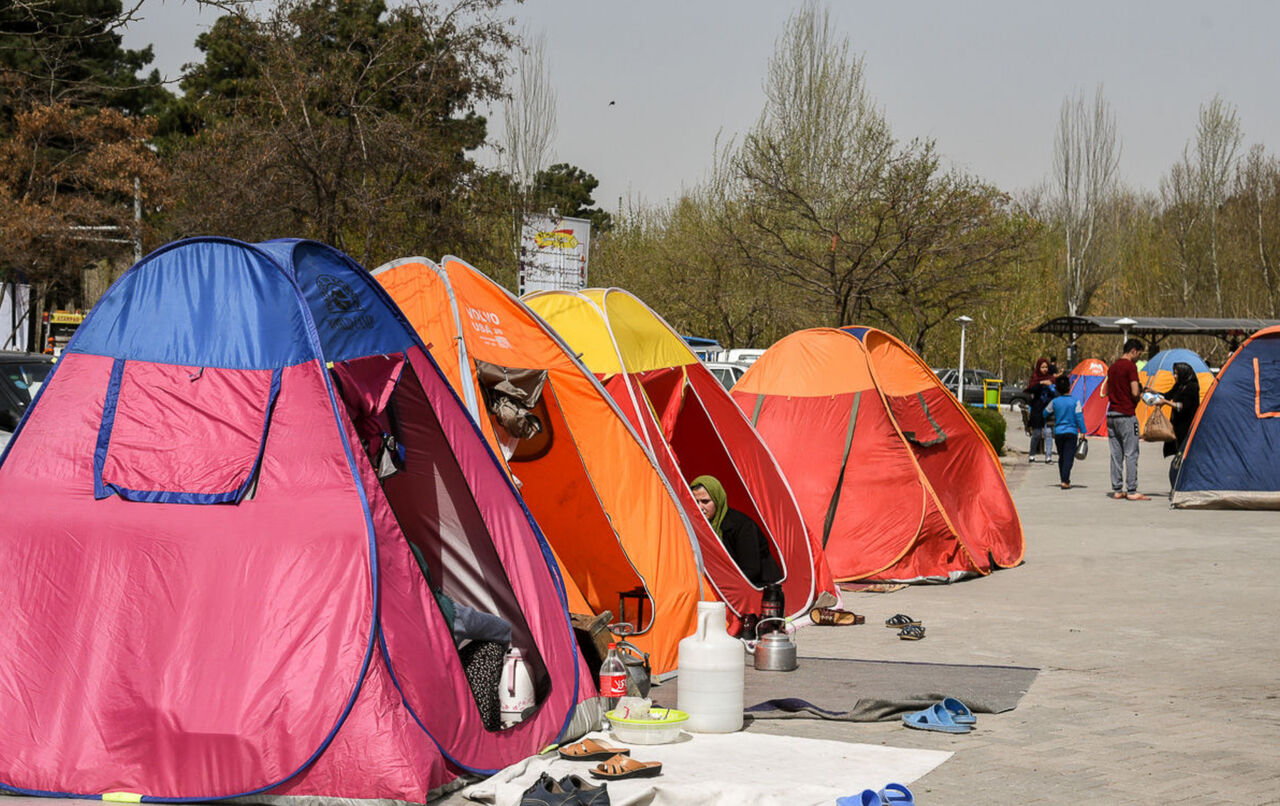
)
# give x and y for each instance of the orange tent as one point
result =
(619, 533)
(895, 480)
(693, 428)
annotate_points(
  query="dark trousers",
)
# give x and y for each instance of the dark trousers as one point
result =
(1066, 455)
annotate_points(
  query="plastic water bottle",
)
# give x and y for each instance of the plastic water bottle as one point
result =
(712, 671)
(613, 679)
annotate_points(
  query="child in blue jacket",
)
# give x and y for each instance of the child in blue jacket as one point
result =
(1068, 426)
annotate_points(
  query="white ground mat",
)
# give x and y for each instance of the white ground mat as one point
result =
(734, 768)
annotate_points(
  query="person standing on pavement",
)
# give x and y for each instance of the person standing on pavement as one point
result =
(1040, 391)
(1068, 417)
(1184, 398)
(1123, 391)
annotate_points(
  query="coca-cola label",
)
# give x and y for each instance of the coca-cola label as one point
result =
(613, 685)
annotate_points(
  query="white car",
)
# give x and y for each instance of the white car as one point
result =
(727, 372)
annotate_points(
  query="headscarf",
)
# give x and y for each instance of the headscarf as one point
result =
(1185, 377)
(1036, 375)
(714, 489)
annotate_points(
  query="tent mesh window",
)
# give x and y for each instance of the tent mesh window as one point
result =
(436, 509)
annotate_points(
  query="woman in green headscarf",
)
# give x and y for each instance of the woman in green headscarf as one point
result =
(742, 538)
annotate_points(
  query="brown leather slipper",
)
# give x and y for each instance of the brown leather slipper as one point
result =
(830, 617)
(591, 750)
(620, 767)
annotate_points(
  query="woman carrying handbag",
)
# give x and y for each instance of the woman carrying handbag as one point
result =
(1184, 400)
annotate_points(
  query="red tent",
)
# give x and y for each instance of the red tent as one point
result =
(895, 480)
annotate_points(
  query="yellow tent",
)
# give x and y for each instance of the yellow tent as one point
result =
(693, 428)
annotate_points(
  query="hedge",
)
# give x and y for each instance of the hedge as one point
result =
(992, 423)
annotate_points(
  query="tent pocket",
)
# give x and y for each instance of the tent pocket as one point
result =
(1266, 388)
(186, 435)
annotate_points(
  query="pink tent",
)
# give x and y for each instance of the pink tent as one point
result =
(211, 511)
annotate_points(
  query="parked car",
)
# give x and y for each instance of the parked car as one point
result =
(727, 372)
(20, 377)
(1011, 394)
(739, 355)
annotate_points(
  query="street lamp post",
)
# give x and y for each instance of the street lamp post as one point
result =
(963, 320)
(1125, 323)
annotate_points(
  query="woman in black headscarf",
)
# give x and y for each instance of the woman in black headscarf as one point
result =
(1184, 399)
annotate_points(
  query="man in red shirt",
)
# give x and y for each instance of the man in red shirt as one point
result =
(1123, 393)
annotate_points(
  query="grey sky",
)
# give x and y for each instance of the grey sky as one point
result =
(984, 79)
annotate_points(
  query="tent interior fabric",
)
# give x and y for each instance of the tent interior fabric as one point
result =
(616, 526)
(214, 505)
(1232, 455)
(895, 480)
(1157, 375)
(693, 428)
(1086, 385)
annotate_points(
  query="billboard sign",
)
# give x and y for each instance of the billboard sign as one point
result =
(553, 253)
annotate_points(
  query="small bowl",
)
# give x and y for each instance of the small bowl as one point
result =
(649, 731)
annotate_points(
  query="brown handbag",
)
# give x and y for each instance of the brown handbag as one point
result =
(1158, 427)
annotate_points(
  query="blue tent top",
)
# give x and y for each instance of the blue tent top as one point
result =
(1232, 456)
(218, 302)
(1165, 359)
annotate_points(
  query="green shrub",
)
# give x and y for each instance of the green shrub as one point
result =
(992, 423)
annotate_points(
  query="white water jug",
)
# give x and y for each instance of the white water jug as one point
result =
(515, 688)
(711, 673)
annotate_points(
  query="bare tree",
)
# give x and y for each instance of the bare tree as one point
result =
(812, 174)
(529, 115)
(1086, 156)
(1218, 139)
(1258, 186)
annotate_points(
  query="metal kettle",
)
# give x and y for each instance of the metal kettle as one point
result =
(776, 651)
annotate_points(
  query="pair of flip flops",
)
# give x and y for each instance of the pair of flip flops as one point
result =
(908, 628)
(615, 762)
(891, 795)
(948, 716)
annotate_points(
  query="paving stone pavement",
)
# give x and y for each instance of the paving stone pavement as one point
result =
(1155, 631)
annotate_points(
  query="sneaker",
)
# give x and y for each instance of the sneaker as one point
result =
(547, 792)
(587, 794)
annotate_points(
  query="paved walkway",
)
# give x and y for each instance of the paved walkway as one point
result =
(1156, 634)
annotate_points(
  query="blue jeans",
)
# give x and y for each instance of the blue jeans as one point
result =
(1042, 436)
(1066, 455)
(1122, 435)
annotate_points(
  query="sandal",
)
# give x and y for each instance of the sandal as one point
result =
(1119, 496)
(1138, 497)
(911, 632)
(591, 750)
(830, 617)
(934, 718)
(901, 620)
(620, 767)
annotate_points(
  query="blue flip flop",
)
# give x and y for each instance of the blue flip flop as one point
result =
(896, 795)
(934, 718)
(869, 797)
(960, 713)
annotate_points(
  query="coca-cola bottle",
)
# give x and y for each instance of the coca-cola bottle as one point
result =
(613, 678)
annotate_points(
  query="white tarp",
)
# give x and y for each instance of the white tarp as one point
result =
(553, 253)
(708, 769)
